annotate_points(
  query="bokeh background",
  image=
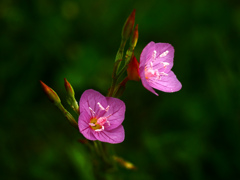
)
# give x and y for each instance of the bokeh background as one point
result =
(193, 134)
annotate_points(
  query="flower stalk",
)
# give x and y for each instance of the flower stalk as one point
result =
(126, 33)
(120, 88)
(68, 115)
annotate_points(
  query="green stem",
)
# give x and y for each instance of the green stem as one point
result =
(73, 103)
(120, 88)
(119, 57)
(96, 147)
(117, 75)
(122, 71)
(69, 117)
(110, 92)
(103, 152)
(117, 64)
(120, 50)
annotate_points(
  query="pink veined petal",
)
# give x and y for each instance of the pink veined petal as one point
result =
(90, 98)
(113, 136)
(146, 54)
(83, 124)
(168, 83)
(144, 81)
(116, 112)
(162, 48)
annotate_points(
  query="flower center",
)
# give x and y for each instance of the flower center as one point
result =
(150, 71)
(94, 125)
(98, 122)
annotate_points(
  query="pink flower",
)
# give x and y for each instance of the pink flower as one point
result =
(101, 117)
(156, 62)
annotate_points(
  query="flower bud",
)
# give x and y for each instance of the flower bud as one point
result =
(134, 39)
(133, 70)
(124, 163)
(69, 88)
(52, 95)
(71, 96)
(128, 26)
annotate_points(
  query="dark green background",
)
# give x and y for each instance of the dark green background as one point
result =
(192, 134)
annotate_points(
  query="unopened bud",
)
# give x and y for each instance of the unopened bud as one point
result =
(69, 88)
(128, 26)
(133, 69)
(126, 164)
(71, 96)
(52, 95)
(134, 39)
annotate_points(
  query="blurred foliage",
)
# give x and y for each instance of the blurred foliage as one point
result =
(192, 134)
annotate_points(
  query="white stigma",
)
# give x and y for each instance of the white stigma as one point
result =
(100, 106)
(151, 64)
(164, 53)
(107, 108)
(163, 74)
(154, 54)
(92, 112)
(165, 64)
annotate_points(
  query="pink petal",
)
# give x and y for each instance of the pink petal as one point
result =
(144, 81)
(146, 53)
(117, 111)
(162, 48)
(168, 83)
(113, 136)
(90, 98)
(83, 124)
